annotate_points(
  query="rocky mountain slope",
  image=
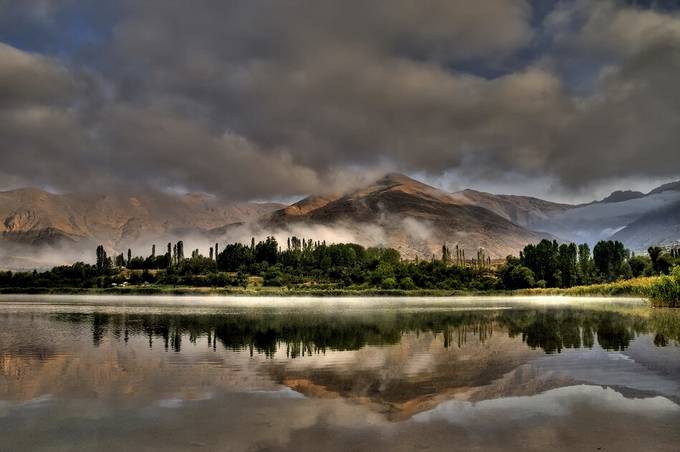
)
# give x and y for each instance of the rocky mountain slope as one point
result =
(622, 196)
(522, 210)
(658, 227)
(33, 221)
(412, 217)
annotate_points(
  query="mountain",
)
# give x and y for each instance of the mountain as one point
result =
(410, 216)
(622, 195)
(605, 219)
(658, 227)
(522, 210)
(40, 229)
(33, 221)
(672, 186)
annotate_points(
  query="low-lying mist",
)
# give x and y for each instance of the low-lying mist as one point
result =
(409, 235)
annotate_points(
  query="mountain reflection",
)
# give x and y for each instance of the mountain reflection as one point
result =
(300, 333)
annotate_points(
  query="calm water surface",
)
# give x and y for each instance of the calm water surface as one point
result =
(106, 373)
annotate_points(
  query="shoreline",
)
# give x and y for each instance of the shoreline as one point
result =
(604, 290)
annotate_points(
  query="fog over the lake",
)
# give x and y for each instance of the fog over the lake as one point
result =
(266, 100)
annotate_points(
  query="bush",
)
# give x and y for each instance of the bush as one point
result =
(638, 264)
(389, 283)
(664, 264)
(665, 291)
(273, 276)
(407, 284)
(516, 277)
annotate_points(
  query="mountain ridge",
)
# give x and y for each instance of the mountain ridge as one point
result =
(415, 218)
(394, 210)
(35, 218)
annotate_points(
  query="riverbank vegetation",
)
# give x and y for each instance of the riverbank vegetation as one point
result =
(665, 291)
(310, 267)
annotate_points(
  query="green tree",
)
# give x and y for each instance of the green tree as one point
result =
(585, 264)
(568, 264)
(638, 265)
(514, 275)
(543, 260)
(664, 263)
(267, 251)
(654, 254)
(103, 261)
(180, 251)
(119, 260)
(234, 256)
(608, 257)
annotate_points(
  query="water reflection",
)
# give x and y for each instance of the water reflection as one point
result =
(394, 377)
(551, 330)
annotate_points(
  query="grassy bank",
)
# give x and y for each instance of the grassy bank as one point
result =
(665, 291)
(638, 287)
(251, 291)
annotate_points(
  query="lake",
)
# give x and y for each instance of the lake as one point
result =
(220, 373)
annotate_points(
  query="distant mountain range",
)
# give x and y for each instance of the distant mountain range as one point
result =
(38, 228)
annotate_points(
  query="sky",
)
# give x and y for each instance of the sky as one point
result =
(275, 99)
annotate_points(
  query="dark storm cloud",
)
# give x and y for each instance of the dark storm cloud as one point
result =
(40, 138)
(261, 98)
(629, 125)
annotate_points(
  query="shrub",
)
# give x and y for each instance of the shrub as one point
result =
(665, 291)
(407, 283)
(516, 277)
(389, 283)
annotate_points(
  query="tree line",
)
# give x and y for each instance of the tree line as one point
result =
(550, 264)
(304, 262)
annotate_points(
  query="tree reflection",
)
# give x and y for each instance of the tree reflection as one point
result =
(300, 334)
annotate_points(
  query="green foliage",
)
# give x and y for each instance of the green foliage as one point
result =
(516, 276)
(543, 260)
(313, 265)
(407, 283)
(389, 283)
(638, 264)
(665, 291)
(234, 256)
(569, 265)
(197, 265)
(586, 267)
(654, 254)
(608, 257)
(522, 277)
(267, 251)
(661, 262)
(104, 263)
(664, 264)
